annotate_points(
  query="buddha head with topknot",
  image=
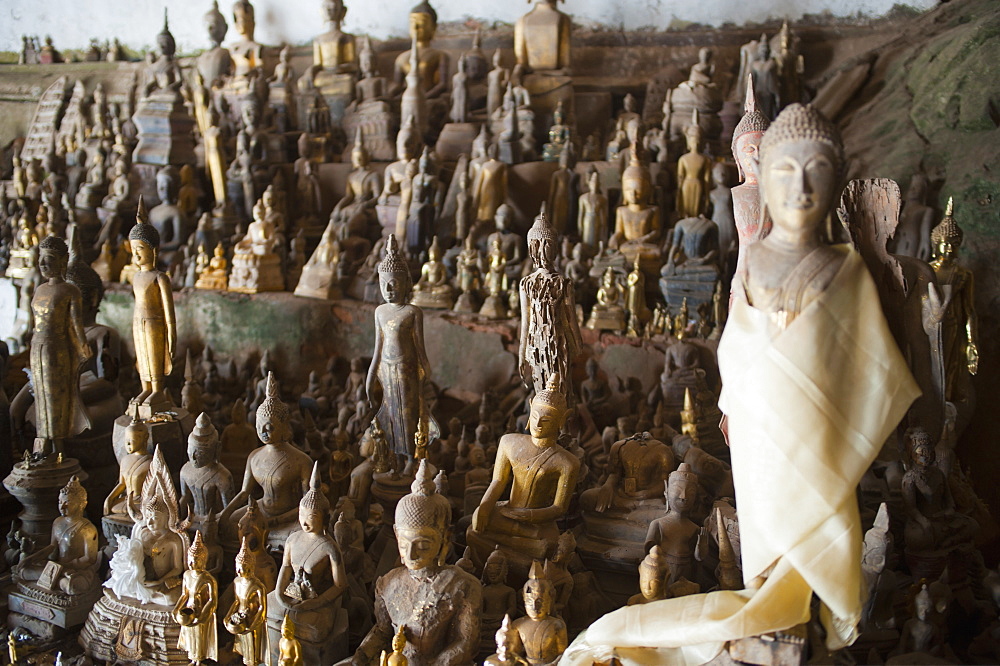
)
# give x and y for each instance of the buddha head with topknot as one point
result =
(394, 274)
(548, 412)
(272, 415)
(422, 519)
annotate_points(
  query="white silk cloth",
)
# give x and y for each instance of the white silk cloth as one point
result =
(809, 409)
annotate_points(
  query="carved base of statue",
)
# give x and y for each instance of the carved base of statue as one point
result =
(697, 287)
(36, 486)
(253, 274)
(520, 551)
(113, 526)
(165, 131)
(434, 298)
(319, 282)
(378, 128)
(125, 630)
(546, 92)
(46, 614)
(494, 307)
(322, 633)
(455, 139)
(467, 303)
(606, 319)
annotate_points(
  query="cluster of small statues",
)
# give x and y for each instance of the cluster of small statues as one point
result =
(366, 515)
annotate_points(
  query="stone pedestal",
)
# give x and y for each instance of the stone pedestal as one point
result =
(125, 631)
(46, 614)
(36, 486)
(256, 274)
(165, 131)
(322, 633)
(546, 92)
(378, 125)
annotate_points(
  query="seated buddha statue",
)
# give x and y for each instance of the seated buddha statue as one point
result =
(248, 55)
(542, 39)
(123, 504)
(311, 583)
(432, 63)
(692, 267)
(408, 144)
(321, 274)
(637, 222)
(354, 214)
(256, 264)
(216, 275)
(432, 290)
(543, 477)
(278, 469)
(543, 634)
(560, 135)
(335, 56)
(675, 533)
(608, 313)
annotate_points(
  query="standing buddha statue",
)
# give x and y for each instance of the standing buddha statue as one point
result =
(195, 609)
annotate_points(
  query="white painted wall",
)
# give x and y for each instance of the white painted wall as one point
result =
(72, 23)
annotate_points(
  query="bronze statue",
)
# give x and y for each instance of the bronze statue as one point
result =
(637, 222)
(432, 289)
(592, 220)
(694, 175)
(608, 313)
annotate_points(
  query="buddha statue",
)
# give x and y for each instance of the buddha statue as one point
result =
(237, 441)
(170, 221)
(196, 606)
(123, 504)
(247, 55)
(675, 533)
(252, 528)
(542, 634)
(215, 65)
(637, 222)
(592, 213)
(425, 200)
(635, 301)
(354, 214)
(562, 191)
(334, 55)
(692, 267)
(311, 583)
(608, 313)
(790, 66)
(247, 615)
(788, 510)
(560, 136)
(154, 326)
(58, 349)
(399, 370)
(459, 94)
(542, 39)
(450, 635)
(496, 83)
(543, 475)
(206, 485)
(321, 274)
(279, 469)
(469, 278)
(432, 63)
(163, 74)
(495, 307)
(510, 650)
(256, 264)
(653, 573)
(752, 221)
(499, 599)
(408, 145)
(694, 175)
(489, 190)
(215, 276)
(432, 289)
(959, 327)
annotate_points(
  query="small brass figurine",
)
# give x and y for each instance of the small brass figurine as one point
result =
(195, 609)
(432, 289)
(216, 275)
(247, 616)
(289, 648)
(543, 635)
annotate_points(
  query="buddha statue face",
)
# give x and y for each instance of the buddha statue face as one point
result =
(395, 287)
(136, 437)
(493, 572)
(166, 185)
(747, 155)
(143, 254)
(477, 457)
(156, 518)
(650, 582)
(72, 504)
(418, 547)
(334, 10)
(634, 191)
(272, 428)
(244, 19)
(312, 520)
(422, 27)
(52, 264)
(544, 421)
(681, 493)
(201, 454)
(594, 182)
(798, 180)
(538, 598)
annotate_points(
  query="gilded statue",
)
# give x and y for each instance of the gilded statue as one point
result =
(637, 222)
(608, 313)
(432, 63)
(489, 189)
(562, 191)
(355, 211)
(279, 469)
(247, 616)
(543, 477)
(542, 39)
(154, 325)
(125, 498)
(58, 350)
(216, 275)
(542, 634)
(638, 466)
(247, 54)
(432, 289)
(550, 331)
(592, 216)
(289, 647)
(694, 174)
(653, 572)
(321, 275)
(196, 606)
(510, 650)
(256, 263)
(399, 369)
(335, 51)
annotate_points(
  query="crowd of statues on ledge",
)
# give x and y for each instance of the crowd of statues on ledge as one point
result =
(366, 517)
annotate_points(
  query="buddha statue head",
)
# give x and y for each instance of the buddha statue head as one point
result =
(272, 416)
(137, 438)
(216, 24)
(422, 519)
(343, 532)
(197, 554)
(394, 274)
(359, 154)
(366, 59)
(747, 135)
(246, 561)
(434, 251)
(636, 183)
(538, 592)
(947, 236)
(244, 19)
(165, 41)
(543, 242)
(495, 569)
(203, 442)
(594, 180)
(423, 23)
(653, 574)
(334, 11)
(167, 184)
(144, 239)
(682, 489)
(53, 257)
(314, 506)
(548, 412)
(72, 498)
(693, 133)
(801, 165)
(155, 514)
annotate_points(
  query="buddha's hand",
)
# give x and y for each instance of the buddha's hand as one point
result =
(480, 519)
(604, 496)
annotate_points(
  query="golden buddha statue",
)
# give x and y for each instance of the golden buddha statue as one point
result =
(959, 325)
(469, 277)
(58, 349)
(215, 276)
(495, 307)
(289, 648)
(24, 254)
(432, 289)
(154, 325)
(544, 477)
(592, 216)
(432, 63)
(195, 608)
(397, 658)
(635, 300)
(399, 370)
(694, 175)
(608, 313)
(124, 500)
(543, 635)
(247, 54)
(256, 264)
(637, 223)
(408, 143)
(334, 55)
(542, 39)
(278, 468)
(449, 634)
(321, 274)
(248, 613)
(653, 572)
(311, 583)
(489, 189)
